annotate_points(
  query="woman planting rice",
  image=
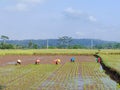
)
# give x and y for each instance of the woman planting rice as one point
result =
(72, 59)
(37, 61)
(19, 61)
(57, 61)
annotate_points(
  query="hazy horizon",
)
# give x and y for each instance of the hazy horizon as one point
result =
(58, 38)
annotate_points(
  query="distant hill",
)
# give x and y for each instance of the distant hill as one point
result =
(55, 42)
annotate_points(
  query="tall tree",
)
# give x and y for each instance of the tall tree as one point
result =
(35, 46)
(30, 44)
(3, 37)
(65, 41)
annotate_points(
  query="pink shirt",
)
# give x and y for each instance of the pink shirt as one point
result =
(37, 60)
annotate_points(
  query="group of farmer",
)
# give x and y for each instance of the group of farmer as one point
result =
(56, 61)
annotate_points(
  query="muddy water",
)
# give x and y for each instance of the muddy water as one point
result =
(45, 59)
(11, 63)
(79, 82)
(67, 77)
(108, 83)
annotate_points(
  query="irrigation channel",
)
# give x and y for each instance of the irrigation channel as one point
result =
(83, 74)
(114, 75)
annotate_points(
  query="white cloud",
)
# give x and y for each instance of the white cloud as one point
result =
(22, 5)
(17, 7)
(79, 34)
(92, 18)
(77, 14)
(72, 12)
(32, 1)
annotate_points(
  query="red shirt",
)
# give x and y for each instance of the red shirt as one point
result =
(99, 59)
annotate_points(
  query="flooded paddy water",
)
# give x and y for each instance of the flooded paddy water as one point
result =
(83, 74)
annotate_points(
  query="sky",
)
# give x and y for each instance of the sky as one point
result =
(51, 19)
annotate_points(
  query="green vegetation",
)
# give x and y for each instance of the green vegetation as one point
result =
(47, 51)
(59, 51)
(70, 76)
(24, 77)
(112, 61)
(64, 42)
(75, 76)
(108, 46)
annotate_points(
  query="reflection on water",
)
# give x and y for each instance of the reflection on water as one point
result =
(72, 83)
(11, 63)
(109, 83)
(103, 82)
(79, 82)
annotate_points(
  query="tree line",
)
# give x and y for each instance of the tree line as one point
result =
(64, 42)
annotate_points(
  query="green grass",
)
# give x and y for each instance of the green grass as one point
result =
(32, 76)
(58, 51)
(112, 61)
(24, 77)
(47, 51)
(59, 77)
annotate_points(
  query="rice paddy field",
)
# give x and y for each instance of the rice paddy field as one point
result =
(112, 61)
(48, 51)
(83, 74)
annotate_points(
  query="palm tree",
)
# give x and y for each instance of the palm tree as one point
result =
(65, 41)
(3, 37)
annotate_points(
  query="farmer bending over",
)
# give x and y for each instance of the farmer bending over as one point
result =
(37, 61)
(72, 59)
(57, 61)
(19, 61)
(99, 60)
